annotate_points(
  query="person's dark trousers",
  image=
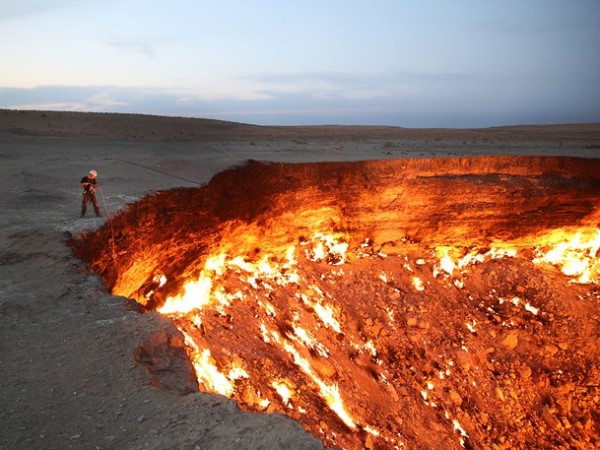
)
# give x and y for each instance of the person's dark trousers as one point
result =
(89, 197)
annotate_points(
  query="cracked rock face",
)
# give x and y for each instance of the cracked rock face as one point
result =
(378, 303)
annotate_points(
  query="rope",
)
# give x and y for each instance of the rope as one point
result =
(159, 171)
(112, 233)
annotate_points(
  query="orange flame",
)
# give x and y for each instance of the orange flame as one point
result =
(575, 253)
(205, 292)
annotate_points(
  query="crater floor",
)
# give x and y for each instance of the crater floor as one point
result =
(415, 302)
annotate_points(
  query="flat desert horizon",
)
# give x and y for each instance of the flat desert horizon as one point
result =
(69, 374)
(155, 127)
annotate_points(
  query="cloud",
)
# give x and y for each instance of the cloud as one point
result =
(28, 8)
(67, 98)
(145, 47)
(340, 85)
(25, 9)
(302, 107)
(50, 106)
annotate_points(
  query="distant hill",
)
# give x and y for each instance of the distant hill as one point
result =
(151, 127)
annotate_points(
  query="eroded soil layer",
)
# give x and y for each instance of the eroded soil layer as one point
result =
(438, 323)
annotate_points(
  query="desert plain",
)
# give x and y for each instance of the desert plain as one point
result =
(67, 372)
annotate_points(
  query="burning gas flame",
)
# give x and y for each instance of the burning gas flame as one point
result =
(204, 293)
(196, 294)
(206, 370)
(575, 254)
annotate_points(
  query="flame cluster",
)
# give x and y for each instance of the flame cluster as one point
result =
(575, 253)
(205, 294)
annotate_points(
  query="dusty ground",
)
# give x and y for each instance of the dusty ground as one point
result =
(68, 375)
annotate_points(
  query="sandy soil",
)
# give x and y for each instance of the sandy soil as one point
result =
(68, 376)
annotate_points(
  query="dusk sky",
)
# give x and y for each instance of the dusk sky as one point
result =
(411, 63)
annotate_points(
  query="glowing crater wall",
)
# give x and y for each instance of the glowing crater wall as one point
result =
(263, 207)
(412, 328)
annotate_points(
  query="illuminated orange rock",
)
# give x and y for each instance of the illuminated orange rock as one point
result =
(265, 206)
(425, 303)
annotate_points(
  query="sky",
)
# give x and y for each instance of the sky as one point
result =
(410, 63)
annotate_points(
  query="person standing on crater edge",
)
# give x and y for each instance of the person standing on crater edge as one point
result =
(88, 183)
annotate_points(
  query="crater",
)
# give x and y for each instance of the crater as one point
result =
(418, 303)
